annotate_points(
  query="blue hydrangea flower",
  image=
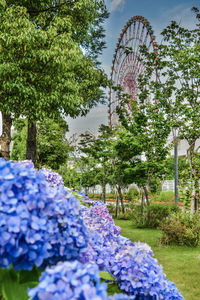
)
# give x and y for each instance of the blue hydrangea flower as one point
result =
(68, 281)
(37, 223)
(122, 297)
(104, 242)
(138, 273)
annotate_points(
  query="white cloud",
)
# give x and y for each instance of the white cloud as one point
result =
(115, 4)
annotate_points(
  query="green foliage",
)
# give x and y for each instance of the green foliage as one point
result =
(106, 276)
(164, 196)
(70, 175)
(53, 148)
(126, 215)
(175, 88)
(151, 216)
(148, 127)
(132, 194)
(181, 229)
(48, 59)
(19, 140)
(14, 284)
(168, 167)
(112, 286)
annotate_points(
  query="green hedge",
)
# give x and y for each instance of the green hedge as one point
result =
(181, 229)
(152, 215)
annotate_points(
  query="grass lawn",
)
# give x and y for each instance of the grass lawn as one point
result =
(180, 264)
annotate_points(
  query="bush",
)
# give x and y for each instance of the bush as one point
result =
(94, 196)
(132, 194)
(123, 216)
(152, 215)
(181, 229)
(164, 196)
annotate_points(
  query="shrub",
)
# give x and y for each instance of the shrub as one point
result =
(152, 215)
(181, 229)
(123, 216)
(164, 196)
(132, 194)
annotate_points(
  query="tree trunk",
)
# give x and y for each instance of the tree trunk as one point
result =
(86, 190)
(31, 142)
(5, 138)
(121, 198)
(117, 207)
(120, 191)
(142, 207)
(195, 173)
(146, 195)
(103, 185)
(196, 193)
(103, 191)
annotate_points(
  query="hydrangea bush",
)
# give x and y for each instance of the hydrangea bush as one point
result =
(42, 223)
(37, 223)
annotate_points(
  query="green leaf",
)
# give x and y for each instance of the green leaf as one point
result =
(112, 288)
(106, 276)
(29, 276)
(11, 289)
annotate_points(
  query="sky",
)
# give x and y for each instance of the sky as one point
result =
(159, 13)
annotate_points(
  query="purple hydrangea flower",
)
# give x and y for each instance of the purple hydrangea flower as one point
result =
(70, 280)
(53, 178)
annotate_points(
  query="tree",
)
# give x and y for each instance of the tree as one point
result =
(99, 150)
(44, 70)
(125, 148)
(148, 125)
(176, 91)
(53, 148)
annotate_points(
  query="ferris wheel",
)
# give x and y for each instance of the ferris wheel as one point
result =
(126, 65)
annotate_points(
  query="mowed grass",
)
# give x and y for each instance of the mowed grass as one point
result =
(180, 264)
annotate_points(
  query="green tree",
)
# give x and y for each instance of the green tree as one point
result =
(176, 89)
(148, 125)
(100, 150)
(44, 68)
(168, 167)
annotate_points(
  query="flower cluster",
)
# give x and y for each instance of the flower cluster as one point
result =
(132, 264)
(138, 273)
(100, 209)
(104, 241)
(70, 280)
(72, 235)
(37, 223)
(53, 178)
(85, 199)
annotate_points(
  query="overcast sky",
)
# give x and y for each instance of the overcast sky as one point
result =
(159, 13)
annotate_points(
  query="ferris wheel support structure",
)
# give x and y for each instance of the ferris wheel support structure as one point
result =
(127, 67)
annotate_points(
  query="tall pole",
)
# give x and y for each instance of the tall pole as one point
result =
(176, 169)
